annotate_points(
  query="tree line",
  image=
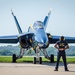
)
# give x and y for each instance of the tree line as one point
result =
(9, 50)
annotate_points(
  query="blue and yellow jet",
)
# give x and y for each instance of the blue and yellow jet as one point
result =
(35, 38)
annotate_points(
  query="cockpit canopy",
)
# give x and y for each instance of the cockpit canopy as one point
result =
(38, 25)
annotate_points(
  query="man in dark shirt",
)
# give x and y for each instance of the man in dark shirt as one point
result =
(61, 45)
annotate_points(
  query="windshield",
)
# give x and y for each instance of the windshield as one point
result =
(38, 24)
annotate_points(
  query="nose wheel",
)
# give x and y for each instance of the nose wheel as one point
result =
(35, 60)
(40, 60)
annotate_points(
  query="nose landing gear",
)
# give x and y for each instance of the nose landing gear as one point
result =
(37, 60)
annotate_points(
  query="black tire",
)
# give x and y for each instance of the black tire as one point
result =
(40, 60)
(34, 60)
(14, 58)
(52, 58)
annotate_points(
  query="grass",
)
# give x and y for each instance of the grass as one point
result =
(30, 59)
(5, 59)
(24, 59)
(69, 60)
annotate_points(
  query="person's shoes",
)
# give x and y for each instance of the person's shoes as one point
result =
(55, 70)
(67, 70)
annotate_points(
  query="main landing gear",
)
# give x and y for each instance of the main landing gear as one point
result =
(51, 58)
(14, 57)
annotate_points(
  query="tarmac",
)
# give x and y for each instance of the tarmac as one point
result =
(35, 69)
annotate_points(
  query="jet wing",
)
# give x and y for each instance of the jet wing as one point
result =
(53, 39)
(14, 38)
(9, 39)
(25, 34)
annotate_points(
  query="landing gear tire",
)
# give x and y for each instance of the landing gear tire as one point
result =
(14, 58)
(52, 58)
(34, 60)
(40, 60)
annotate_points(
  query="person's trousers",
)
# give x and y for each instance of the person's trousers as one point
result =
(63, 55)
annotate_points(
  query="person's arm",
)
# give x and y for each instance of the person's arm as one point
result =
(56, 46)
(67, 46)
(61, 49)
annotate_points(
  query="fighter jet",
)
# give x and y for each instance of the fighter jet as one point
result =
(36, 37)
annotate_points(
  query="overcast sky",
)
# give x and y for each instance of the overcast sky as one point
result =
(61, 22)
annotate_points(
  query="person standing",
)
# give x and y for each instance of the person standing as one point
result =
(61, 45)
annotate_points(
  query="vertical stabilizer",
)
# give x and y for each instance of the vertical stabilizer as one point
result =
(45, 22)
(17, 24)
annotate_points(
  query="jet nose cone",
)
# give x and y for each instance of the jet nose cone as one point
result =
(41, 36)
(43, 40)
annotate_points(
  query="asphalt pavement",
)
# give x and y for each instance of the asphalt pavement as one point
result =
(35, 69)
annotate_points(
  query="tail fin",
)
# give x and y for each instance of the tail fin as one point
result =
(17, 24)
(46, 19)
